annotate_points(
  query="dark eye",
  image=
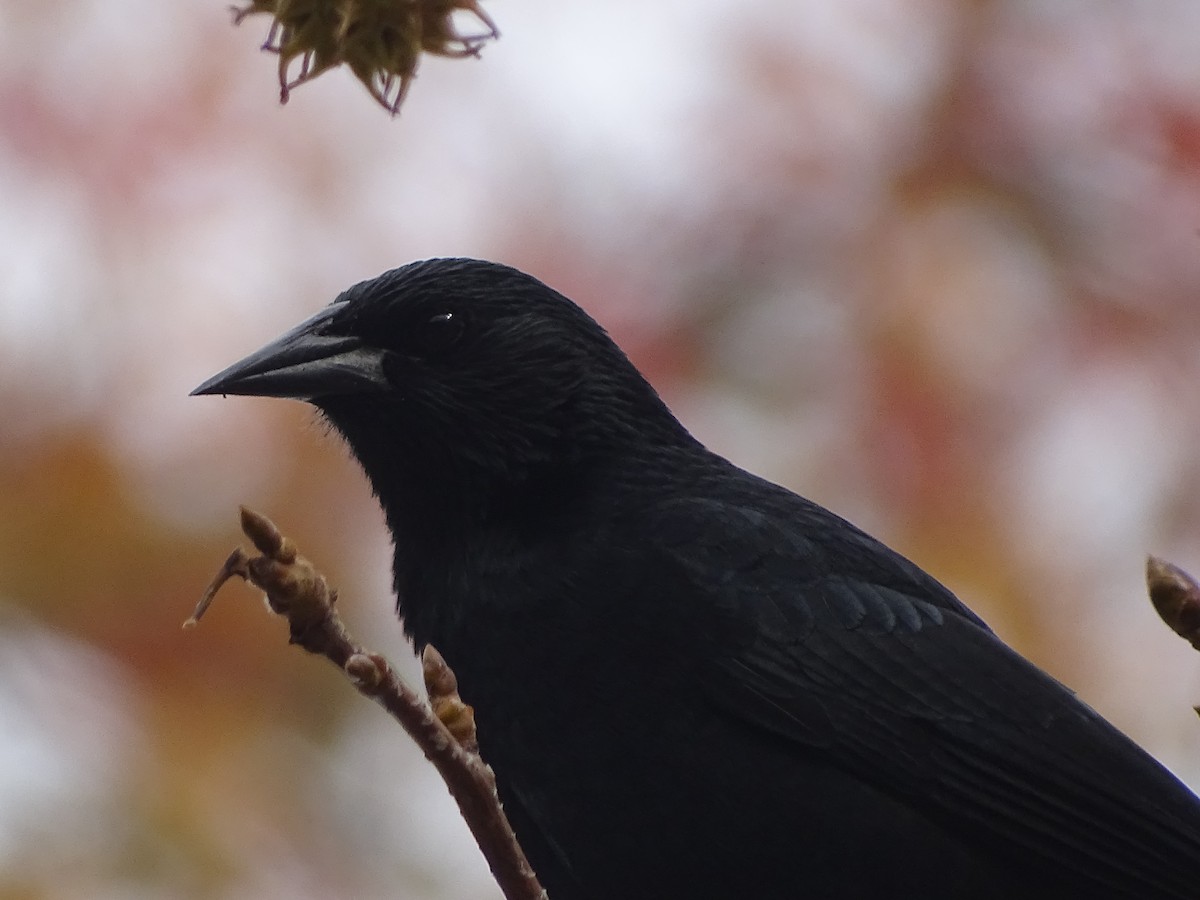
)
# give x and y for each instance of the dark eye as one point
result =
(441, 331)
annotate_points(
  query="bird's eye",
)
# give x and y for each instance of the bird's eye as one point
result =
(441, 331)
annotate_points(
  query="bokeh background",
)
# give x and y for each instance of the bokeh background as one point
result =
(933, 263)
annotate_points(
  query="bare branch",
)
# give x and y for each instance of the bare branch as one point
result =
(445, 730)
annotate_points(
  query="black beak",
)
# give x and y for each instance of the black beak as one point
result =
(309, 361)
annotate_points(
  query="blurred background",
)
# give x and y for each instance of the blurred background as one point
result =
(935, 264)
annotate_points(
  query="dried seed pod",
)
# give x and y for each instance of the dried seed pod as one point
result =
(381, 41)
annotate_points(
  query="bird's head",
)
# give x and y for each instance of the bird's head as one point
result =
(459, 384)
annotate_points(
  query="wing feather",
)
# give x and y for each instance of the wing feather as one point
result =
(891, 681)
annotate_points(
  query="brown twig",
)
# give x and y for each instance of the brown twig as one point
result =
(444, 729)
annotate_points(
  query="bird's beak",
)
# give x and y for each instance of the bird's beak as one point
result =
(309, 361)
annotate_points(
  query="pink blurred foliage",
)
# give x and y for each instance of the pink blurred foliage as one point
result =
(933, 264)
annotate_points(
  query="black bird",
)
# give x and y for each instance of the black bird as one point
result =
(693, 683)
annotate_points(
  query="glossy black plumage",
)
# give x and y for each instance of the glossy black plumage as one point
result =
(692, 682)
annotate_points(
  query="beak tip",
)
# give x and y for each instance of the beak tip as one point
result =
(210, 386)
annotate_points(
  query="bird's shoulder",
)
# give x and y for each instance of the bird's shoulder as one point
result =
(730, 529)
